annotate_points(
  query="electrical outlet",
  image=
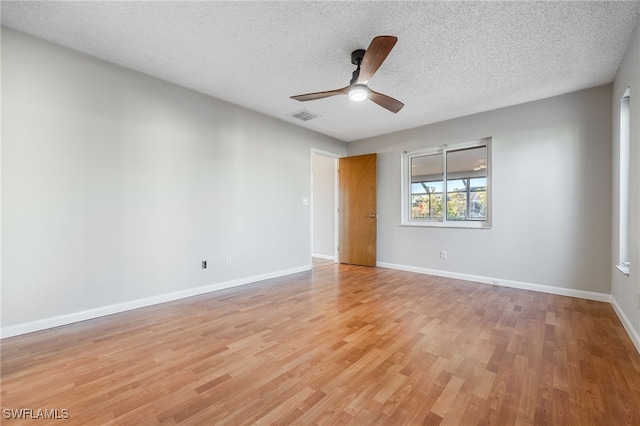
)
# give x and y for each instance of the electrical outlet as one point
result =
(228, 261)
(204, 264)
(443, 254)
(638, 298)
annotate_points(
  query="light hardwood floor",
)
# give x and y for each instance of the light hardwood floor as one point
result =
(337, 345)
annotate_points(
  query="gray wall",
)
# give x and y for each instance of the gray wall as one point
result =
(623, 287)
(551, 195)
(324, 208)
(116, 185)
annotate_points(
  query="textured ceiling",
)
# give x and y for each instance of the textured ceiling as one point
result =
(451, 59)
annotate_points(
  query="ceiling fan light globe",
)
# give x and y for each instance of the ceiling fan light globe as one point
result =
(358, 93)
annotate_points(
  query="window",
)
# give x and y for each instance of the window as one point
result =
(623, 227)
(461, 172)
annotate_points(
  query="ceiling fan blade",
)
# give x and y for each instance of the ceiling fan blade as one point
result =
(320, 95)
(374, 56)
(385, 101)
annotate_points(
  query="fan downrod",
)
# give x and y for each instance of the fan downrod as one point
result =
(356, 59)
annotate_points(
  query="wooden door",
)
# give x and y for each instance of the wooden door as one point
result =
(357, 210)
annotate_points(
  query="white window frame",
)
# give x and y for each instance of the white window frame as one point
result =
(444, 223)
(623, 167)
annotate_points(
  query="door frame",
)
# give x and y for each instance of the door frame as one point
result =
(336, 201)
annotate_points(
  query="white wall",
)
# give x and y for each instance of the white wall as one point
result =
(551, 196)
(116, 185)
(623, 287)
(324, 193)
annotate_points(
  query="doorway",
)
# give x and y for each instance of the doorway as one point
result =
(324, 208)
(343, 209)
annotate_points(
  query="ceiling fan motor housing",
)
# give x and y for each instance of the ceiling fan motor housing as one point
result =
(356, 56)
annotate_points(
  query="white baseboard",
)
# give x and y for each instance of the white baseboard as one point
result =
(582, 294)
(43, 324)
(635, 338)
(323, 256)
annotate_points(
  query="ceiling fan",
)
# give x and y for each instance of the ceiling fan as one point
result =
(368, 61)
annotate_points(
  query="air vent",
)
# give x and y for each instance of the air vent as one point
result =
(304, 115)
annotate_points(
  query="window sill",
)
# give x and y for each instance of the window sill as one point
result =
(624, 269)
(450, 224)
